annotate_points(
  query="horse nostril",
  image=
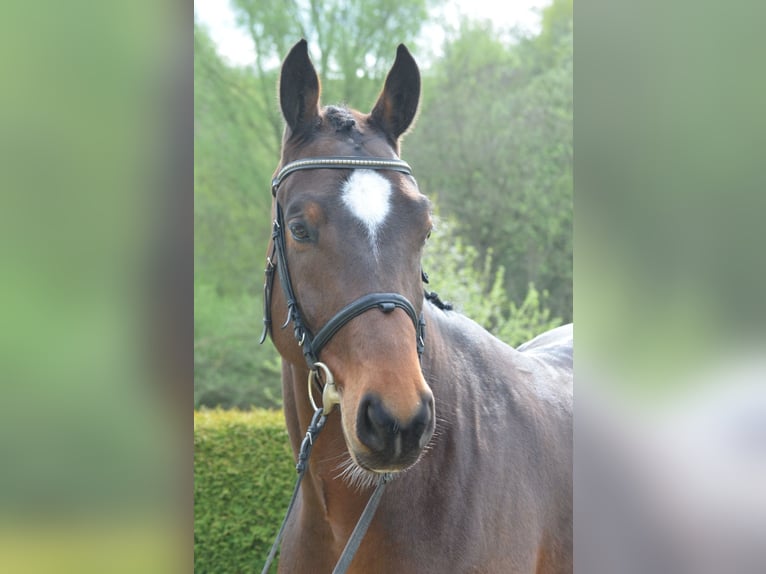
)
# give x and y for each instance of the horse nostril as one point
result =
(373, 423)
(376, 415)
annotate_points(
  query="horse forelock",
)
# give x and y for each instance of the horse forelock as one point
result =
(341, 118)
(338, 130)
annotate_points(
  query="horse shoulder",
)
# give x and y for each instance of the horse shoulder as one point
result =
(513, 410)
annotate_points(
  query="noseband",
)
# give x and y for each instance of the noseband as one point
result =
(312, 344)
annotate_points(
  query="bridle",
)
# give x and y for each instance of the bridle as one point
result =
(312, 344)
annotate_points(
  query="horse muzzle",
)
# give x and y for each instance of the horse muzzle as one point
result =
(389, 443)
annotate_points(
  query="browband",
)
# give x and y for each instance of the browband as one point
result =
(339, 162)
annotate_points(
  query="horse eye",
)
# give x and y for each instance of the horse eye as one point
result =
(299, 232)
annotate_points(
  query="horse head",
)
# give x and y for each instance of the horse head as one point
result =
(351, 229)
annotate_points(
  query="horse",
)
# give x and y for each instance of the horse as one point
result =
(475, 435)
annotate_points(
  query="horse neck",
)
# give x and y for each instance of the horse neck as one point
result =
(458, 349)
(445, 332)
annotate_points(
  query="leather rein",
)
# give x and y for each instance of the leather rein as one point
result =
(312, 344)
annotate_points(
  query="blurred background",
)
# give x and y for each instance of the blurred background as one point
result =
(670, 276)
(492, 147)
(96, 143)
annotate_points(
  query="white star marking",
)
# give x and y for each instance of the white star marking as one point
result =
(367, 196)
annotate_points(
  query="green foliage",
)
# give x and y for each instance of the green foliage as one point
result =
(494, 144)
(469, 281)
(236, 148)
(524, 322)
(235, 152)
(353, 42)
(243, 475)
(230, 368)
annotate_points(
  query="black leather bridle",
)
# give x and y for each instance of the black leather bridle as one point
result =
(312, 344)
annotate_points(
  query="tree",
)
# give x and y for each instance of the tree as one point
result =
(494, 144)
(353, 41)
(233, 163)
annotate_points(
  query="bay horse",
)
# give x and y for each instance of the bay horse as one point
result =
(476, 435)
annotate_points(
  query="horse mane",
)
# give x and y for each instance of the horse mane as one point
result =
(340, 117)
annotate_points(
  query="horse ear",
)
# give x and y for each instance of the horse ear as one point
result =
(398, 102)
(299, 89)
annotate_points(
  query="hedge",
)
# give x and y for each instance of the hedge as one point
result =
(243, 477)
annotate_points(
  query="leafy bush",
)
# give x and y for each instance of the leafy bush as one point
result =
(243, 477)
(231, 369)
(460, 277)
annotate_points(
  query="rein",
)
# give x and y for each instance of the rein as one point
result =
(312, 344)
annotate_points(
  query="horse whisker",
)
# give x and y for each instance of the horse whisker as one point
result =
(355, 476)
